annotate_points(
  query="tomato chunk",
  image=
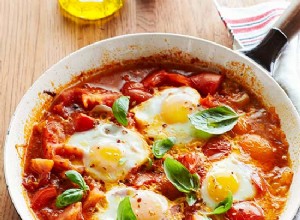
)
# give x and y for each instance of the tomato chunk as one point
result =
(93, 198)
(245, 210)
(73, 212)
(154, 79)
(86, 98)
(207, 83)
(53, 133)
(216, 148)
(40, 165)
(242, 126)
(43, 196)
(136, 91)
(83, 122)
(62, 164)
(179, 79)
(141, 179)
(191, 161)
(68, 151)
(168, 190)
(90, 100)
(70, 96)
(164, 78)
(209, 101)
(32, 183)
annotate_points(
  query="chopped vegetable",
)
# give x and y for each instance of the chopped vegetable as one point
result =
(120, 109)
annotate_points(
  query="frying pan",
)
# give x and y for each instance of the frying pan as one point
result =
(130, 47)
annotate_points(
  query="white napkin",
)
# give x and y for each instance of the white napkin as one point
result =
(287, 71)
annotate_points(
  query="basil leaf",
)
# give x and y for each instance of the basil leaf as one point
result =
(120, 109)
(191, 198)
(180, 177)
(76, 177)
(224, 206)
(125, 211)
(201, 134)
(161, 147)
(196, 181)
(216, 120)
(68, 197)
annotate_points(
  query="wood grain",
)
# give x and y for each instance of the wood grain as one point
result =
(35, 34)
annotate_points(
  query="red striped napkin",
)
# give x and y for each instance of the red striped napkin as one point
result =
(249, 25)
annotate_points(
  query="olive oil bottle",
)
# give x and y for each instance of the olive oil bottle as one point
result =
(91, 9)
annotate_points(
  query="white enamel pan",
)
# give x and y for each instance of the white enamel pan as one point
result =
(177, 48)
(136, 46)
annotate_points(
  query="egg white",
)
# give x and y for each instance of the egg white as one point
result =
(110, 151)
(148, 114)
(145, 204)
(230, 166)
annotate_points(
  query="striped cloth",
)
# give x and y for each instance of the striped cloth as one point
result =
(249, 25)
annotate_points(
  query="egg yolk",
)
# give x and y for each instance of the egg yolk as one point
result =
(110, 154)
(103, 162)
(219, 186)
(175, 109)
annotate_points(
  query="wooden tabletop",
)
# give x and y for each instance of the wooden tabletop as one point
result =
(35, 34)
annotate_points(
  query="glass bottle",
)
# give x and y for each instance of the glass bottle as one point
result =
(91, 9)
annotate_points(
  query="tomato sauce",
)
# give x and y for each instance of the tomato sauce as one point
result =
(256, 137)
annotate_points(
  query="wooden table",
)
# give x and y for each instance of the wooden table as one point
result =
(35, 34)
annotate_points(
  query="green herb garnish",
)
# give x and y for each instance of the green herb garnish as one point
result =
(120, 109)
(215, 121)
(224, 206)
(71, 196)
(182, 179)
(125, 211)
(68, 197)
(76, 177)
(160, 147)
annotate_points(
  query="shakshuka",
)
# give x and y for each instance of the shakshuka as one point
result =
(157, 142)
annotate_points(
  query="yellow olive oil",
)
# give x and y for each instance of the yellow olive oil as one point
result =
(91, 9)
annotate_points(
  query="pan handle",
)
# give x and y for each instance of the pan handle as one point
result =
(289, 21)
(284, 29)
